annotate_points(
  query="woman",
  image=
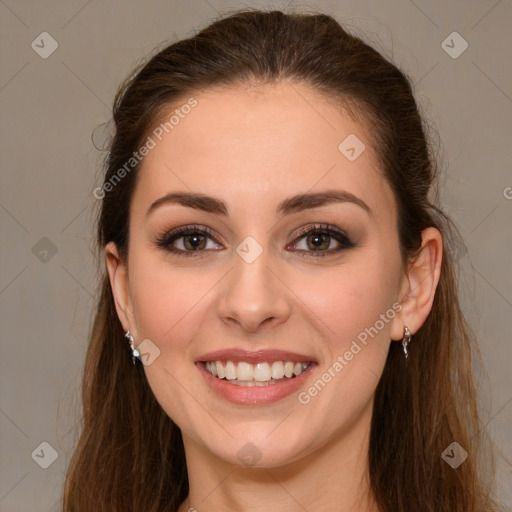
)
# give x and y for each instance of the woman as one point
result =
(278, 274)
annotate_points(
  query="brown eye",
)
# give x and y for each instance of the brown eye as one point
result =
(194, 242)
(188, 241)
(319, 241)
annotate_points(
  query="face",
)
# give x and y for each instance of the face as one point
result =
(246, 274)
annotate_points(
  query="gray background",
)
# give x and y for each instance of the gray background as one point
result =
(50, 108)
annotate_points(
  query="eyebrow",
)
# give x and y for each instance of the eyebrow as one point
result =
(297, 203)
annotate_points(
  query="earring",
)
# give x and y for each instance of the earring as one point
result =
(406, 340)
(135, 352)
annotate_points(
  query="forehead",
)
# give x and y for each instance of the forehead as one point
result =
(254, 144)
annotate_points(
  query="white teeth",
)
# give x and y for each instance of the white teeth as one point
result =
(245, 371)
(253, 383)
(246, 374)
(261, 372)
(220, 370)
(277, 370)
(230, 370)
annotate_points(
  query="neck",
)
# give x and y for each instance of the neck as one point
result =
(334, 478)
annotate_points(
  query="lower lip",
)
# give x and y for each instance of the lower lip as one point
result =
(254, 395)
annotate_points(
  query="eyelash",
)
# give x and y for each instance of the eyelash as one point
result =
(165, 240)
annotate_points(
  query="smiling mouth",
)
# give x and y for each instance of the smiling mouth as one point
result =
(242, 373)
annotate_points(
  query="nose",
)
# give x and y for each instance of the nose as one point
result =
(253, 295)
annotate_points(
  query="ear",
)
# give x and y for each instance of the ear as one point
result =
(419, 284)
(118, 275)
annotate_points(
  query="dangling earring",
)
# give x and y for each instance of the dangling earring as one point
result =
(406, 340)
(135, 352)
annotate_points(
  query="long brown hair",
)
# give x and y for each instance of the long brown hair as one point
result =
(130, 454)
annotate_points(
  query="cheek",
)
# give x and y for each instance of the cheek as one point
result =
(169, 306)
(165, 297)
(353, 303)
(357, 314)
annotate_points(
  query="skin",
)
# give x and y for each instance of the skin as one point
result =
(253, 147)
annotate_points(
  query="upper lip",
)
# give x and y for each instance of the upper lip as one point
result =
(254, 356)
